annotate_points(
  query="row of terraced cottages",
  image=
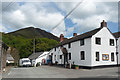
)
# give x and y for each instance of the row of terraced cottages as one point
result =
(90, 49)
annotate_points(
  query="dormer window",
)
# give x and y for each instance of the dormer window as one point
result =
(111, 42)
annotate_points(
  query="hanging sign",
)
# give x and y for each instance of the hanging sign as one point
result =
(105, 57)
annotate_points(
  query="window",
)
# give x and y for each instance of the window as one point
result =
(60, 56)
(97, 56)
(81, 42)
(55, 49)
(69, 56)
(98, 41)
(111, 42)
(112, 56)
(69, 45)
(82, 55)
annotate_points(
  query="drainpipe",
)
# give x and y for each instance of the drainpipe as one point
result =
(117, 58)
(117, 51)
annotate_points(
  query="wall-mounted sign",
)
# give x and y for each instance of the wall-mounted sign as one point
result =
(105, 57)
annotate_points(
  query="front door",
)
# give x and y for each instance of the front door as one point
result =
(65, 59)
(50, 58)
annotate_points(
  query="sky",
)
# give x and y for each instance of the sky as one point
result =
(46, 15)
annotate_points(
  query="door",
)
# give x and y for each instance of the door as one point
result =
(65, 59)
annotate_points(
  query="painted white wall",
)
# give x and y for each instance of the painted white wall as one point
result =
(75, 53)
(42, 56)
(52, 51)
(104, 48)
(90, 49)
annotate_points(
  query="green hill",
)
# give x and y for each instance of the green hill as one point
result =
(23, 39)
(32, 32)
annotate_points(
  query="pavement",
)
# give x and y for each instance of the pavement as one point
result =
(58, 72)
(6, 71)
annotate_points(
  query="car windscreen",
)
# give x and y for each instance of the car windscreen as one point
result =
(25, 61)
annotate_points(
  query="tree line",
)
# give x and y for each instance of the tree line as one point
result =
(25, 46)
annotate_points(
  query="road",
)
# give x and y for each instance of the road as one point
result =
(57, 72)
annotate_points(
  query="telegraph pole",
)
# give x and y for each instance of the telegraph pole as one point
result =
(34, 45)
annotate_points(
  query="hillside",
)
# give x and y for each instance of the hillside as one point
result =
(32, 32)
(25, 46)
(22, 40)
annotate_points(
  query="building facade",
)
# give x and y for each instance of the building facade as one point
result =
(3, 55)
(39, 57)
(90, 49)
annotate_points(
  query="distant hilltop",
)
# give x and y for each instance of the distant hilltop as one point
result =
(31, 32)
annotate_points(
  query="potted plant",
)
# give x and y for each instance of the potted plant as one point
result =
(76, 67)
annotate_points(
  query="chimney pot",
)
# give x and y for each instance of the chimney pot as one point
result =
(103, 24)
(61, 37)
(74, 34)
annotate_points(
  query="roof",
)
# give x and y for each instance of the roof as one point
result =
(9, 57)
(116, 34)
(79, 37)
(3, 45)
(35, 55)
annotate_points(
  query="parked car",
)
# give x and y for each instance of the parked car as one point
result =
(24, 62)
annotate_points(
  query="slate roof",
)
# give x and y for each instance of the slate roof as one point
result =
(35, 55)
(3, 45)
(9, 57)
(79, 37)
(117, 34)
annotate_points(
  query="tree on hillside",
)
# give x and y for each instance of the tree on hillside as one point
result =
(25, 46)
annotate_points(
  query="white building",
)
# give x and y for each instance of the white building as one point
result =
(90, 49)
(39, 57)
(117, 36)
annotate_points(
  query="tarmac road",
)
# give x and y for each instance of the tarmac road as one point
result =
(57, 72)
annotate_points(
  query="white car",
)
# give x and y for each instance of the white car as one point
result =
(25, 62)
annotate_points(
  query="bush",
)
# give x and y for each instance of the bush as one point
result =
(76, 66)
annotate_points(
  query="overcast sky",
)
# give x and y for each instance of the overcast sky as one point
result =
(46, 15)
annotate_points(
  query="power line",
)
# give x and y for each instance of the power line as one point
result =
(10, 4)
(67, 15)
(7, 6)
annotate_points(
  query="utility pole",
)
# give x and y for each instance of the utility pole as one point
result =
(117, 51)
(34, 41)
(34, 45)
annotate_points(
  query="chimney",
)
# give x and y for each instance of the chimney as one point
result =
(74, 34)
(61, 37)
(103, 24)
